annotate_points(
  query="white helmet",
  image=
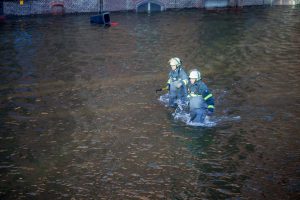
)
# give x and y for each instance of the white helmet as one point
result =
(195, 74)
(175, 61)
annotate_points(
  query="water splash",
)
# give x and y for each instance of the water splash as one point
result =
(164, 99)
(182, 114)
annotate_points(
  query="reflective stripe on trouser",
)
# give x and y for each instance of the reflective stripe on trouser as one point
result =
(198, 115)
(176, 93)
(196, 102)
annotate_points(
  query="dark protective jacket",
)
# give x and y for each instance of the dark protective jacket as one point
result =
(177, 85)
(197, 93)
(178, 75)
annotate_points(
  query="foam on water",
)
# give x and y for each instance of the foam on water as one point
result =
(164, 99)
(182, 114)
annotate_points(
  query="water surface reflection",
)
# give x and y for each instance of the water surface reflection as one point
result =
(80, 118)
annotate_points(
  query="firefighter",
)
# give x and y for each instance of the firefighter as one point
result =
(201, 100)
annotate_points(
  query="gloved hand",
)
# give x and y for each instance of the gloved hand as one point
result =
(178, 84)
(210, 112)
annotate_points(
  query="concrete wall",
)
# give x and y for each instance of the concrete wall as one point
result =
(44, 6)
(73, 6)
(285, 2)
(268, 2)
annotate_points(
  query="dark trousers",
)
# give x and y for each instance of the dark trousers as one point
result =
(198, 115)
(175, 94)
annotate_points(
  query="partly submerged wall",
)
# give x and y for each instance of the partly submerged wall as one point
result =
(47, 6)
(13, 7)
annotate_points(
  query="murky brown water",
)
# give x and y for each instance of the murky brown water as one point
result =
(80, 118)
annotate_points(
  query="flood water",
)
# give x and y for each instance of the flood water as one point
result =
(80, 118)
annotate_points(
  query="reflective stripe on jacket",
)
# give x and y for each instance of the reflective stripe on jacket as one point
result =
(198, 93)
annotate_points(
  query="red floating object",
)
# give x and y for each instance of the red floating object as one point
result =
(114, 23)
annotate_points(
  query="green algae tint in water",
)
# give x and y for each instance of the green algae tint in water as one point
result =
(80, 118)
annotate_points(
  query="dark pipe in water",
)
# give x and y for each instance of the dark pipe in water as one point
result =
(101, 18)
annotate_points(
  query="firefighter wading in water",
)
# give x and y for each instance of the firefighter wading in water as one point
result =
(177, 82)
(201, 101)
